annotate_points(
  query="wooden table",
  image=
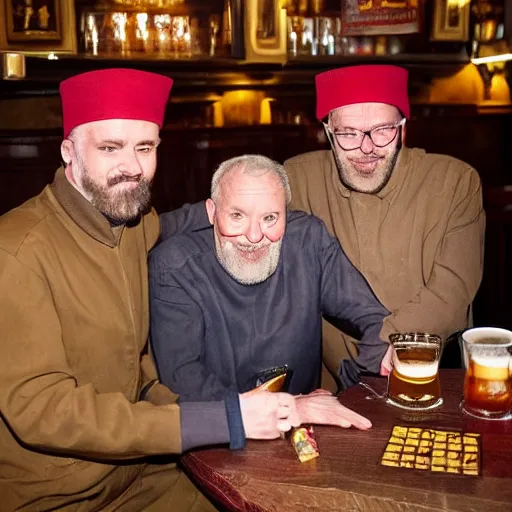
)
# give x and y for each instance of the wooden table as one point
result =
(267, 476)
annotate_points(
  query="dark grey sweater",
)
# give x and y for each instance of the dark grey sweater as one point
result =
(210, 333)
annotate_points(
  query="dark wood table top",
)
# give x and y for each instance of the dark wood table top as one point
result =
(267, 475)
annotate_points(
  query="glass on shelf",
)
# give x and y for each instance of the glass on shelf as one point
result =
(318, 36)
(128, 33)
(147, 4)
(157, 28)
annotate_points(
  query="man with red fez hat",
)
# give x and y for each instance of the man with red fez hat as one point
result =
(82, 411)
(410, 221)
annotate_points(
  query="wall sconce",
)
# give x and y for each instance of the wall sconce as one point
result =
(13, 66)
(490, 59)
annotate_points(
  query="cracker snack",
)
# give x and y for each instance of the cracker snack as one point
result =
(438, 451)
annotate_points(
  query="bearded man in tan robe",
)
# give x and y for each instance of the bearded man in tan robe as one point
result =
(411, 222)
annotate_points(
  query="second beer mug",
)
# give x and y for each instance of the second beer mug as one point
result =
(488, 381)
(414, 382)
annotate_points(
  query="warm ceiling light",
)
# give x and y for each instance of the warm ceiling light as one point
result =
(492, 58)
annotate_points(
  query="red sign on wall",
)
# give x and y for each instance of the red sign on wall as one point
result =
(380, 17)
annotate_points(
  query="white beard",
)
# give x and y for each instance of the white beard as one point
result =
(243, 269)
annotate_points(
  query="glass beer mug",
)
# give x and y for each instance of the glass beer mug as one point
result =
(488, 381)
(414, 382)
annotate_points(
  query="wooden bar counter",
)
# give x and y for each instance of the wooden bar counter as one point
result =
(267, 475)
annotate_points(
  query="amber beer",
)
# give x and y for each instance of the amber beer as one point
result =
(414, 381)
(488, 379)
(488, 386)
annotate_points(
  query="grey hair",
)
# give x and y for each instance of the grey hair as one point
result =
(254, 165)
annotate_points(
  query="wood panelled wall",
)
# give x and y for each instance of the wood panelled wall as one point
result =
(188, 157)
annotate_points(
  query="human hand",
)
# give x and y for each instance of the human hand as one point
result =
(386, 365)
(266, 415)
(323, 408)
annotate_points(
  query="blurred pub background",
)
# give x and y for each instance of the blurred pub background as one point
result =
(244, 83)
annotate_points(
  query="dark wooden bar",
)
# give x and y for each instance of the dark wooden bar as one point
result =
(267, 476)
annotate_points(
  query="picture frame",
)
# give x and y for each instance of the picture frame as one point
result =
(37, 26)
(450, 21)
(33, 20)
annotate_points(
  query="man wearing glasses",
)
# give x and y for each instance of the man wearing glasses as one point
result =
(410, 221)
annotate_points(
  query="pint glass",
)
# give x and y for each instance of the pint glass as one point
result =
(487, 382)
(414, 382)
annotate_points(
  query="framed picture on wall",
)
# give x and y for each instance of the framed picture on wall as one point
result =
(35, 26)
(33, 20)
(450, 21)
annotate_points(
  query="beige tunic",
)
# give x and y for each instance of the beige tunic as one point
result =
(419, 241)
(74, 324)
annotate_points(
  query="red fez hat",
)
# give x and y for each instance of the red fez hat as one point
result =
(114, 94)
(362, 84)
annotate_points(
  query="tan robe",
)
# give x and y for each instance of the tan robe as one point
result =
(74, 325)
(419, 241)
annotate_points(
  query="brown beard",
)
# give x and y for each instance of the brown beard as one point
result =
(118, 206)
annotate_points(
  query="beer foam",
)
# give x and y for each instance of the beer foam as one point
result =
(490, 368)
(416, 369)
(491, 361)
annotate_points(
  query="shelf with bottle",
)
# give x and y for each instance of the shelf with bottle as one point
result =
(157, 29)
(489, 20)
(320, 36)
(331, 31)
(452, 59)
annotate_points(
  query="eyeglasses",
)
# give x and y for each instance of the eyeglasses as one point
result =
(351, 139)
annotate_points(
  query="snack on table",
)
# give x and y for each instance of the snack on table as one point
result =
(440, 451)
(303, 440)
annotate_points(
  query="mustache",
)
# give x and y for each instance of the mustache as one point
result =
(367, 158)
(251, 248)
(122, 178)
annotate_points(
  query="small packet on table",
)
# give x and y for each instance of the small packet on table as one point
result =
(304, 442)
(276, 379)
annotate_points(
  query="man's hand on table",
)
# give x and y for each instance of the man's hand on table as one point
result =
(266, 415)
(321, 407)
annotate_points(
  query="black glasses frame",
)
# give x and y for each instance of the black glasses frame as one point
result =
(367, 133)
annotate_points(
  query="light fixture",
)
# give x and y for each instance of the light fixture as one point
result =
(504, 57)
(490, 53)
(490, 58)
(13, 65)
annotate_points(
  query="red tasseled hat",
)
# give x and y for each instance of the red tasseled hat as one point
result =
(362, 84)
(114, 94)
